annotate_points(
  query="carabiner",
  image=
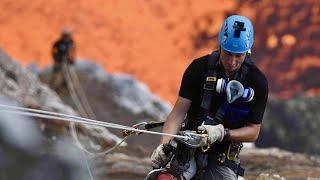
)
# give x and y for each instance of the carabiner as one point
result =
(126, 133)
(202, 145)
(236, 146)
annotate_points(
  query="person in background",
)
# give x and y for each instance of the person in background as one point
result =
(63, 50)
(63, 53)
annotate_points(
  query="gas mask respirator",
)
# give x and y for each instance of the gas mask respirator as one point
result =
(234, 90)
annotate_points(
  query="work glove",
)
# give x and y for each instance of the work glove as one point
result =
(160, 157)
(214, 133)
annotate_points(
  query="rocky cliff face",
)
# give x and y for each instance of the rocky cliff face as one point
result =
(42, 144)
(292, 124)
(116, 98)
(25, 87)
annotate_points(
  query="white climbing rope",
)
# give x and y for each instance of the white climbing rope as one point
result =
(63, 117)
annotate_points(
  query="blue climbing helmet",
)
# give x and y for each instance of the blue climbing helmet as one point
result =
(236, 34)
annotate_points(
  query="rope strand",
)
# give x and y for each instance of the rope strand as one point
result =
(64, 117)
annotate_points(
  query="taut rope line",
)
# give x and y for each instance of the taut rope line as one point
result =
(63, 117)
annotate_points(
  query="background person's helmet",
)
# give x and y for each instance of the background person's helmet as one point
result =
(66, 32)
(236, 34)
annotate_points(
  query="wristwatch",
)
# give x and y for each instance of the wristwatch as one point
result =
(226, 134)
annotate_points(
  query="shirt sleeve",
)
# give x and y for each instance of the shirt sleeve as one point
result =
(259, 101)
(188, 87)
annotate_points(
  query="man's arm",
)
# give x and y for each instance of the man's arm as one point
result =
(159, 157)
(248, 133)
(175, 118)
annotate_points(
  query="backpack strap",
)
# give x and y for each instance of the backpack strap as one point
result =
(209, 87)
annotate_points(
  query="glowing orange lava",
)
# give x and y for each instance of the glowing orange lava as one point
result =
(153, 40)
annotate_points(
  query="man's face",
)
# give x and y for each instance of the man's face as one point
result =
(231, 62)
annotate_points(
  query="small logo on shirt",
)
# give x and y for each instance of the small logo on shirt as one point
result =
(211, 78)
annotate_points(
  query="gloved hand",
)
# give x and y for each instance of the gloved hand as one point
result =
(214, 132)
(159, 157)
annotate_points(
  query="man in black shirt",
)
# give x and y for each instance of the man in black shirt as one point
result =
(224, 94)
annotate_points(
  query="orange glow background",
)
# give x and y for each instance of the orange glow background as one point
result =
(156, 40)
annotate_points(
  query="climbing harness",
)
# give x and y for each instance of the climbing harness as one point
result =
(230, 158)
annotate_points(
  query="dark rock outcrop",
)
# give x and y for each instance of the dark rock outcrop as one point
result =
(292, 124)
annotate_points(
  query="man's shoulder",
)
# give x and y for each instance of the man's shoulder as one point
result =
(259, 74)
(198, 65)
(201, 61)
(256, 73)
(259, 78)
(56, 42)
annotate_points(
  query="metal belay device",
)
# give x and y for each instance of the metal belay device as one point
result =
(182, 165)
